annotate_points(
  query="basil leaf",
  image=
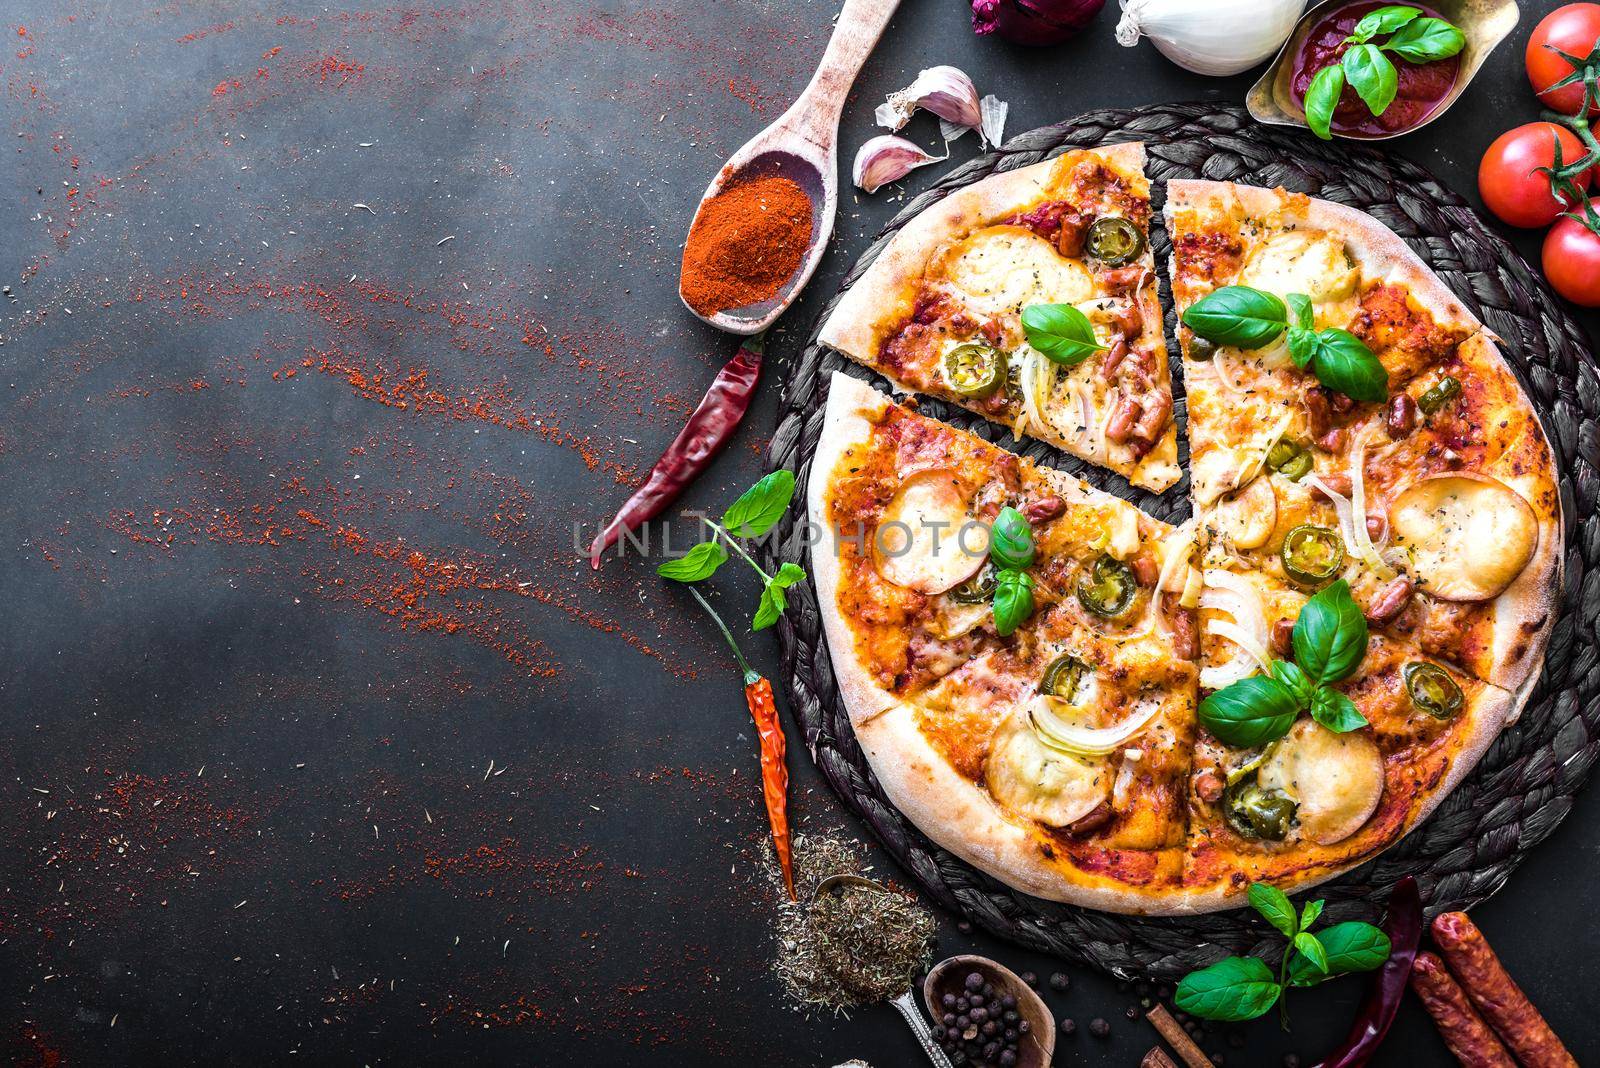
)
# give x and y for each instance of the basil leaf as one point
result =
(1372, 75)
(1383, 20)
(773, 602)
(1289, 673)
(760, 506)
(1322, 97)
(788, 574)
(1426, 40)
(1061, 332)
(1343, 362)
(1013, 600)
(1274, 905)
(1237, 315)
(1307, 946)
(1011, 540)
(699, 562)
(1350, 947)
(1335, 711)
(1300, 306)
(1302, 346)
(1330, 637)
(1233, 989)
(1250, 712)
(1311, 913)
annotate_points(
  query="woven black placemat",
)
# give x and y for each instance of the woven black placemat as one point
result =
(1525, 784)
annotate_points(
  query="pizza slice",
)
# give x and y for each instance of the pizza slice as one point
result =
(1432, 493)
(1300, 800)
(1030, 298)
(1048, 746)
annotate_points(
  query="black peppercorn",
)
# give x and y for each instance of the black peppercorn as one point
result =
(1131, 1012)
(1023, 1027)
(964, 927)
(948, 1001)
(1008, 1058)
(1008, 1002)
(1059, 981)
(1030, 978)
(974, 981)
(1291, 1060)
(1099, 1028)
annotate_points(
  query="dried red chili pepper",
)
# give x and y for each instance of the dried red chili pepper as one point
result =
(702, 437)
(1388, 983)
(774, 773)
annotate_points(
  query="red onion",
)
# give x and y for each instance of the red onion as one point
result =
(1033, 22)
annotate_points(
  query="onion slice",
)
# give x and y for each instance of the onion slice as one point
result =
(1058, 734)
(1358, 508)
(1236, 596)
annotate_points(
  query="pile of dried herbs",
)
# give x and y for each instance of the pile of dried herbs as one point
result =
(854, 946)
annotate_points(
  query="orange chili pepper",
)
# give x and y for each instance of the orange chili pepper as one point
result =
(774, 773)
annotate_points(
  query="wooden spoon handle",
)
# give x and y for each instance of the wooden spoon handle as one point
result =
(815, 115)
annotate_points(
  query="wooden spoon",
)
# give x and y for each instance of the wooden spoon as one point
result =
(803, 146)
(1039, 1045)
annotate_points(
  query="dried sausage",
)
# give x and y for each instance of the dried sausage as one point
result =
(1123, 416)
(1502, 1003)
(1208, 786)
(1402, 417)
(1390, 601)
(1283, 637)
(1463, 1030)
(1044, 508)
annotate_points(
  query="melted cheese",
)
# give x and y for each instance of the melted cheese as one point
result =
(1003, 269)
(919, 543)
(1469, 536)
(1337, 779)
(1312, 262)
(1248, 517)
(1038, 783)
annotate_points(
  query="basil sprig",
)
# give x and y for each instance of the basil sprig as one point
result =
(1412, 35)
(1330, 638)
(1243, 988)
(1249, 318)
(1061, 332)
(1011, 550)
(752, 515)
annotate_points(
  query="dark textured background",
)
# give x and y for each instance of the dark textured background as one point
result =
(288, 488)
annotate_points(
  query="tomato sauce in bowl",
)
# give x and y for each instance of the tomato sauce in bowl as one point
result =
(1422, 87)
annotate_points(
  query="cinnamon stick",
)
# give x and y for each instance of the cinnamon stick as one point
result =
(1190, 1053)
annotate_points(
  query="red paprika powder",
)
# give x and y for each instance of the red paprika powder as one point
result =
(746, 242)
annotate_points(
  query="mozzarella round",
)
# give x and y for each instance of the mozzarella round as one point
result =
(1034, 781)
(927, 541)
(1337, 779)
(1248, 517)
(1469, 535)
(1003, 269)
(1312, 262)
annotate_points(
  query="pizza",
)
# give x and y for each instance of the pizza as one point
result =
(1100, 708)
(945, 311)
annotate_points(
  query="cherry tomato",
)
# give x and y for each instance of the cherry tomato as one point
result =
(1572, 29)
(1572, 262)
(1509, 180)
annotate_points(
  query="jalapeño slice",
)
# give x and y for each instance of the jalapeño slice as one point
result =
(1255, 812)
(974, 369)
(977, 589)
(1444, 391)
(1107, 587)
(1289, 460)
(1114, 241)
(1432, 689)
(1312, 555)
(1062, 677)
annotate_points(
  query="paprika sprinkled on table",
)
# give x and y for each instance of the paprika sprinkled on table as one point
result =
(746, 242)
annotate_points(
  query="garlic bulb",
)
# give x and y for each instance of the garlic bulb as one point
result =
(887, 158)
(1214, 37)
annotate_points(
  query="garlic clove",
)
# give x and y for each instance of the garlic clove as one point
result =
(887, 158)
(992, 124)
(945, 91)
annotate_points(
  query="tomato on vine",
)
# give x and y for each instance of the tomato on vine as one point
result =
(1514, 175)
(1561, 46)
(1571, 260)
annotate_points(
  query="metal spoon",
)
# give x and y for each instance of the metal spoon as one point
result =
(906, 1003)
(803, 146)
